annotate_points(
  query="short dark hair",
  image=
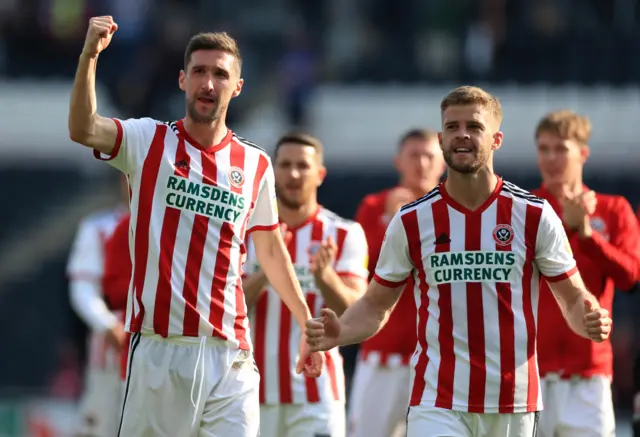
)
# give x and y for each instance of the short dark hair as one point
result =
(417, 134)
(213, 41)
(301, 139)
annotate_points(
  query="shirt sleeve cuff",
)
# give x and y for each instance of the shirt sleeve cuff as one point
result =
(116, 147)
(390, 284)
(588, 244)
(262, 228)
(352, 275)
(562, 276)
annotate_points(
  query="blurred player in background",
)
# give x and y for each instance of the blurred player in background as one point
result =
(116, 280)
(330, 256)
(605, 239)
(476, 246)
(100, 403)
(196, 191)
(382, 370)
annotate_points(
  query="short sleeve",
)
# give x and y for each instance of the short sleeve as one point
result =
(394, 264)
(354, 256)
(87, 254)
(132, 144)
(265, 213)
(553, 251)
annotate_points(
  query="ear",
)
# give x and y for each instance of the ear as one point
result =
(498, 137)
(585, 151)
(396, 162)
(238, 89)
(181, 80)
(322, 173)
(440, 140)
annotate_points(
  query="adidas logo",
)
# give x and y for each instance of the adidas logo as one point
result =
(181, 164)
(443, 239)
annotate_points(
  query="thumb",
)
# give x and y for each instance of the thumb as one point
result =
(589, 306)
(328, 315)
(300, 365)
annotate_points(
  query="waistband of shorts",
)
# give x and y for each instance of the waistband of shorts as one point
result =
(181, 339)
(383, 358)
(552, 376)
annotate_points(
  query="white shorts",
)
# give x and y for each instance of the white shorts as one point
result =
(189, 387)
(379, 399)
(577, 408)
(437, 422)
(100, 405)
(306, 420)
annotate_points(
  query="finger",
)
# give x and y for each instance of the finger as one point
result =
(300, 365)
(319, 332)
(317, 323)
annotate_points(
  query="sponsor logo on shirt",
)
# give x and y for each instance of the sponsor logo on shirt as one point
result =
(472, 266)
(207, 200)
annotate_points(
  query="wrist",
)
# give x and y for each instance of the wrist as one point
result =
(585, 230)
(88, 57)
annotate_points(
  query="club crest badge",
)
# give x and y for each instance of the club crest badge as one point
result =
(236, 177)
(503, 235)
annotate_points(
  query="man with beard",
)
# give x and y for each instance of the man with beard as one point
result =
(330, 257)
(476, 246)
(383, 360)
(196, 191)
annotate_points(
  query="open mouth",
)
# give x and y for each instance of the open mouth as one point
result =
(206, 100)
(462, 150)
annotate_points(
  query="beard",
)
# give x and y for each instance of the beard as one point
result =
(287, 201)
(197, 117)
(465, 168)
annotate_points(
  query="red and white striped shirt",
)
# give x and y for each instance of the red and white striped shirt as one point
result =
(191, 207)
(85, 267)
(276, 336)
(477, 275)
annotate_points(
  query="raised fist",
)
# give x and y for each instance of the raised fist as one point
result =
(99, 34)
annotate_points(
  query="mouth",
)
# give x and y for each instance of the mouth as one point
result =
(206, 100)
(462, 150)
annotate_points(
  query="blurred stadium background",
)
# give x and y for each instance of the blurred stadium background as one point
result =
(356, 73)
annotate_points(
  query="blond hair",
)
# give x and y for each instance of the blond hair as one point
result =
(213, 41)
(567, 125)
(471, 95)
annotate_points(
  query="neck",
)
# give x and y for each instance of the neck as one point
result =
(419, 191)
(207, 134)
(473, 189)
(559, 190)
(294, 217)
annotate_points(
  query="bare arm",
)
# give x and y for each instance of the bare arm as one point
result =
(571, 295)
(369, 314)
(274, 259)
(253, 286)
(85, 125)
(340, 292)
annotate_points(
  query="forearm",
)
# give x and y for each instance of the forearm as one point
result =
(362, 320)
(279, 271)
(83, 104)
(89, 305)
(337, 295)
(253, 286)
(574, 312)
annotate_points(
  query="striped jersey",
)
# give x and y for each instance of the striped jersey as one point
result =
(86, 263)
(476, 288)
(191, 206)
(276, 336)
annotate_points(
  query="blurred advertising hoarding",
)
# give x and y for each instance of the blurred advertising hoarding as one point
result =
(359, 125)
